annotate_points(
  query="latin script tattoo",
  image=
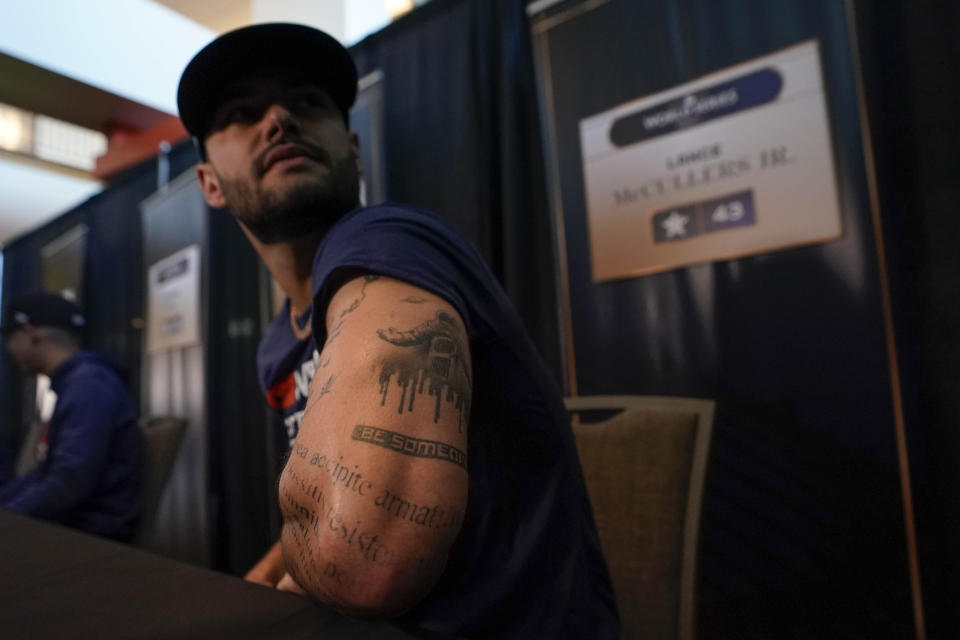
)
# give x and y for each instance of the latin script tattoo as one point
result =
(315, 512)
(349, 477)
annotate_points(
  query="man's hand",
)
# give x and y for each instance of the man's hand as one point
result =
(374, 491)
(269, 569)
(289, 584)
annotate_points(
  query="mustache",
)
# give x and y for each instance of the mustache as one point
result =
(303, 146)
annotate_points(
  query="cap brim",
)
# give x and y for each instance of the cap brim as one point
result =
(257, 50)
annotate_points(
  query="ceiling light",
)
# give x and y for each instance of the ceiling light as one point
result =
(15, 129)
(397, 8)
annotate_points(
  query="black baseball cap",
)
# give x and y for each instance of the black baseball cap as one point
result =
(256, 50)
(42, 309)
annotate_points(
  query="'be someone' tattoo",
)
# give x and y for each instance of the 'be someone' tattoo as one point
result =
(409, 446)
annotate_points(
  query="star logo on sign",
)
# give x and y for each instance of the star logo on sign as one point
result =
(675, 225)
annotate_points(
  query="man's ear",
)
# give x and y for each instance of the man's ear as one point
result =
(210, 185)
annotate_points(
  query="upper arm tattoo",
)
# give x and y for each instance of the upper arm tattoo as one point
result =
(338, 327)
(434, 350)
(324, 390)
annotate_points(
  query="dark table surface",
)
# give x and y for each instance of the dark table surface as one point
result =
(58, 583)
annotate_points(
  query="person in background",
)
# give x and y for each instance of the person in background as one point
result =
(91, 452)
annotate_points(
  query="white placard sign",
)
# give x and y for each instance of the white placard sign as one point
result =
(735, 163)
(173, 311)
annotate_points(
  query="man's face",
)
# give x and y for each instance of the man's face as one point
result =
(281, 158)
(21, 345)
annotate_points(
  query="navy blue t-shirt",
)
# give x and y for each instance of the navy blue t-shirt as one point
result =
(285, 368)
(527, 561)
(92, 474)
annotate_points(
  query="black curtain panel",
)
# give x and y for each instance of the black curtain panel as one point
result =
(911, 62)
(462, 139)
(243, 474)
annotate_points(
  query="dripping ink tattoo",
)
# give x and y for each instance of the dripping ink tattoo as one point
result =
(437, 357)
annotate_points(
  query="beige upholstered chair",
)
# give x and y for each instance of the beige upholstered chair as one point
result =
(162, 435)
(644, 469)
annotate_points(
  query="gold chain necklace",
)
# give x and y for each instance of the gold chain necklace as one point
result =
(304, 333)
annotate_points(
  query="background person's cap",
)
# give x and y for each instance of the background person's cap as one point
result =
(256, 50)
(42, 309)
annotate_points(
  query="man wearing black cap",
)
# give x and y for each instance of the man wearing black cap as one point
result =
(91, 452)
(432, 475)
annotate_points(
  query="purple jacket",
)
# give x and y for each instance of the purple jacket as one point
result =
(92, 474)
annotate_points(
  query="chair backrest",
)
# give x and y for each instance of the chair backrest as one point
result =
(644, 469)
(163, 435)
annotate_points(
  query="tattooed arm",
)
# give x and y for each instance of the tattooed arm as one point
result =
(374, 490)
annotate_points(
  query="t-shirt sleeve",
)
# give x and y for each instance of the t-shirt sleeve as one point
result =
(410, 246)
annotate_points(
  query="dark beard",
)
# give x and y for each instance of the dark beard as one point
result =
(310, 208)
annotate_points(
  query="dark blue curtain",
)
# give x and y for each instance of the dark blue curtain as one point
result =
(462, 139)
(911, 62)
